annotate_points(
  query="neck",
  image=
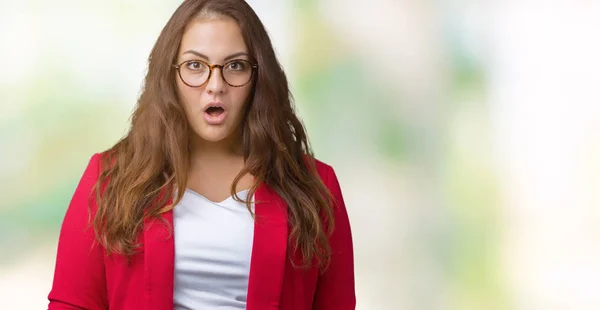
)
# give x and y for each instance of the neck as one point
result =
(203, 151)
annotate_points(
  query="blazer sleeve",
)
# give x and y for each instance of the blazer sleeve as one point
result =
(335, 287)
(79, 277)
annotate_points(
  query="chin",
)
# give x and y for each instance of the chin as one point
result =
(213, 136)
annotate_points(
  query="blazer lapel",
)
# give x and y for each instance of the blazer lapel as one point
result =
(159, 257)
(269, 251)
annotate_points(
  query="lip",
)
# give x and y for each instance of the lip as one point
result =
(215, 120)
(215, 104)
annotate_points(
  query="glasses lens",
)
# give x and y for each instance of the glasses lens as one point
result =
(237, 72)
(194, 72)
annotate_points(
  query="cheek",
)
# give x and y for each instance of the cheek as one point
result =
(188, 96)
(241, 97)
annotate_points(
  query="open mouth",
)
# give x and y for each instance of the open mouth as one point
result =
(215, 114)
(215, 111)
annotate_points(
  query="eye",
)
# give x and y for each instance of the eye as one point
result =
(195, 65)
(237, 65)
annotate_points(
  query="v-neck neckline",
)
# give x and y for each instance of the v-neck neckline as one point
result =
(215, 202)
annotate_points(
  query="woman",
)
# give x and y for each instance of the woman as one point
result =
(213, 199)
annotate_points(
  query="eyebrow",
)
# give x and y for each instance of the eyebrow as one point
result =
(232, 56)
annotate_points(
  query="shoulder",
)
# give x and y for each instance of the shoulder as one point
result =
(325, 171)
(97, 163)
(322, 167)
(93, 167)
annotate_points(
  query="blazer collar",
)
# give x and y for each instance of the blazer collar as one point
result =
(267, 263)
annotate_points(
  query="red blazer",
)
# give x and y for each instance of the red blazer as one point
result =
(86, 278)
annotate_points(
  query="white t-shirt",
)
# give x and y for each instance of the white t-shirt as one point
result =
(213, 245)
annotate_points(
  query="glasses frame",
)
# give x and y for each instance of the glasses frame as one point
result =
(212, 67)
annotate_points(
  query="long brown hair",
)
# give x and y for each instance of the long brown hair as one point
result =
(152, 160)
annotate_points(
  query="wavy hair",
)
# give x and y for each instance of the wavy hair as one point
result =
(152, 159)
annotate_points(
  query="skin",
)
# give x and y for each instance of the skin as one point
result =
(215, 149)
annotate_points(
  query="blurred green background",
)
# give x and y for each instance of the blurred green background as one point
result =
(465, 135)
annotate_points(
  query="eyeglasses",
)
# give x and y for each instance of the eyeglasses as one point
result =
(196, 73)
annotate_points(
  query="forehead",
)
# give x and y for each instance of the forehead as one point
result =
(216, 38)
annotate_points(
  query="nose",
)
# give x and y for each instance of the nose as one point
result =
(216, 83)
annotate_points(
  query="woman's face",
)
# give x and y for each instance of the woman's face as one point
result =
(215, 109)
